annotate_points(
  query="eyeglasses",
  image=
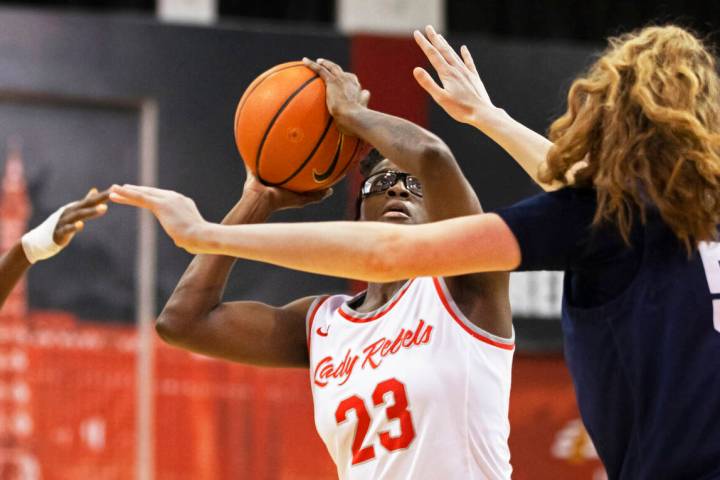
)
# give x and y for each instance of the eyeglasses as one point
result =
(383, 181)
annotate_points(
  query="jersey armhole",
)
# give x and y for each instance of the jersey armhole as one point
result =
(310, 317)
(465, 323)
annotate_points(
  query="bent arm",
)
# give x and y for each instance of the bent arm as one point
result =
(414, 149)
(195, 317)
(371, 251)
(12, 266)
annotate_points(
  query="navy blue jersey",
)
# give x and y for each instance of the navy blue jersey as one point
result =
(642, 341)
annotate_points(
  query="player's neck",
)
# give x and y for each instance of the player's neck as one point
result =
(378, 294)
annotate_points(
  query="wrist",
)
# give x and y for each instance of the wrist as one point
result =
(485, 119)
(347, 115)
(200, 238)
(255, 206)
(39, 243)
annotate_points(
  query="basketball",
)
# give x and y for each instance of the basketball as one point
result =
(285, 134)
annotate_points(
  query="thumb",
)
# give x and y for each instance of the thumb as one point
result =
(317, 195)
(322, 194)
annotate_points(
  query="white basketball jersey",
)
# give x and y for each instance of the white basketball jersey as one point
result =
(412, 390)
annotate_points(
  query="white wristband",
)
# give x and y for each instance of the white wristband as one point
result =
(38, 243)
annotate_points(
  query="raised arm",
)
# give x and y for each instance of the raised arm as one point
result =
(446, 191)
(370, 251)
(464, 97)
(196, 318)
(48, 238)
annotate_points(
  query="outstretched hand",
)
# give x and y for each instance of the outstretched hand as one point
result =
(343, 92)
(462, 94)
(74, 215)
(177, 213)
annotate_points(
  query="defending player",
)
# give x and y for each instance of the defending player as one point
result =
(640, 148)
(411, 378)
(48, 238)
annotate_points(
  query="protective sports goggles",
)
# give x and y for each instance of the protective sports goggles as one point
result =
(382, 181)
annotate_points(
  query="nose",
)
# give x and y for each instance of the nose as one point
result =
(398, 190)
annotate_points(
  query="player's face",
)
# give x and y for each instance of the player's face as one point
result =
(400, 202)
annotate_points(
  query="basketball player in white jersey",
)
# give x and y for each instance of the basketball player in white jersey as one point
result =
(409, 379)
(48, 238)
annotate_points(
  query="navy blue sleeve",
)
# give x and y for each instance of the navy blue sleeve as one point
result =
(551, 227)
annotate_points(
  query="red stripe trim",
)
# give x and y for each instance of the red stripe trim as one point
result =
(312, 319)
(456, 317)
(349, 317)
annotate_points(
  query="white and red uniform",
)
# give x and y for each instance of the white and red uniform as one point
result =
(412, 390)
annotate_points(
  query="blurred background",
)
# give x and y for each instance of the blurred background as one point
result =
(100, 92)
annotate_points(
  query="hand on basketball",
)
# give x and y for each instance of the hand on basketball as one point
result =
(280, 198)
(74, 215)
(177, 213)
(462, 95)
(343, 91)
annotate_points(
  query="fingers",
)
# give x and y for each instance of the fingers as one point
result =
(331, 66)
(126, 195)
(435, 58)
(468, 60)
(138, 192)
(93, 198)
(79, 214)
(63, 234)
(140, 189)
(133, 202)
(321, 70)
(428, 84)
(439, 42)
(67, 230)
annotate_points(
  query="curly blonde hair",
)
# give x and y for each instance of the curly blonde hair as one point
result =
(643, 127)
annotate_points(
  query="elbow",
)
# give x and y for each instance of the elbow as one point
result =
(170, 328)
(435, 152)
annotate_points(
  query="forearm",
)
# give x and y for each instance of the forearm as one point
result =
(371, 251)
(411, 147)
(528, 148)
(201, 287)
(12, 266)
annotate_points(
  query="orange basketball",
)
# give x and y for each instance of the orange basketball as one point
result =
(286, 135)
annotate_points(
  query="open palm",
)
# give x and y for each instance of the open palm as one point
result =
(462, 94)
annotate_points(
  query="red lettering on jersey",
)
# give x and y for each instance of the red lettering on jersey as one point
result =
(326, 370)
(374, 354)
(377, 351)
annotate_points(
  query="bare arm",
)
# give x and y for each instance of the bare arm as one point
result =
(12, 266)
(371, 251)
(49, 238)
(374, 251)
(464, 97)
(446, 191)
(196, 319)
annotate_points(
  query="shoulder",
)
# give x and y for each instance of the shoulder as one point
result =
(548, 227)
(320, 305)
(561, 208)
(568, 198)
